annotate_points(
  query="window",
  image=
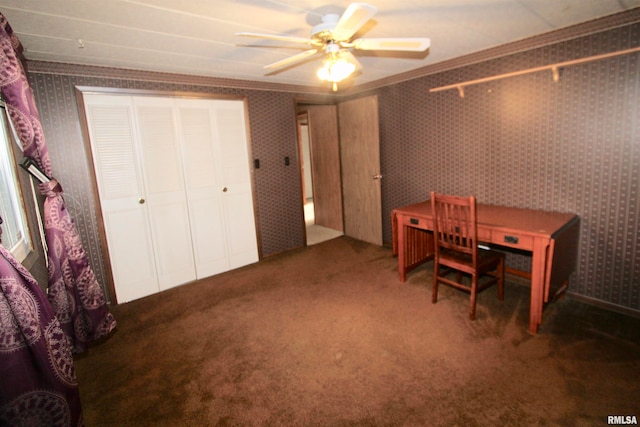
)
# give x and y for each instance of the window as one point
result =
(15, 234)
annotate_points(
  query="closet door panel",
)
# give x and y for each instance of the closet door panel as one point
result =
(111, 130)
(173, 252)
(241, 230)
(165, 191)
(238, 199)
(208, 231)
(204, 189)
(232, 137)
(131, 254)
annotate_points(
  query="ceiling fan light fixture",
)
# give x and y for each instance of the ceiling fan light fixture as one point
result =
(336, 69)
(334, 36)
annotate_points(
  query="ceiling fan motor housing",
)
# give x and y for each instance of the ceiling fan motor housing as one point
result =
(323, 31)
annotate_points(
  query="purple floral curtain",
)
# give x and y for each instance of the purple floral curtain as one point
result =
(38, 385)
(77, 298)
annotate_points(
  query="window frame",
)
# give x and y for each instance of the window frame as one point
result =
(23, 247)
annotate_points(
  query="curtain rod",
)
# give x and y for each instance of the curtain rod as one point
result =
(553, 67)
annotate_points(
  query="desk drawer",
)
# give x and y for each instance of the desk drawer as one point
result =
(513, 240)
(417, 222)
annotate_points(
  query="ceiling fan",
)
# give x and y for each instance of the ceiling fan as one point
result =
(332, 37)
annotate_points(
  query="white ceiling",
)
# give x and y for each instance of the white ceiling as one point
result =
(197, 37)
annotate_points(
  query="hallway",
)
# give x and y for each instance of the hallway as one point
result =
(316, 233)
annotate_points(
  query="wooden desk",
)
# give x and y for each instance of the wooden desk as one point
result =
(550, 237)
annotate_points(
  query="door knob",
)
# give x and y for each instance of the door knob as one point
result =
(376, 176)
(224, 190)
(141, 201)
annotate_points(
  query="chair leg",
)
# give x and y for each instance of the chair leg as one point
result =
(474, 293)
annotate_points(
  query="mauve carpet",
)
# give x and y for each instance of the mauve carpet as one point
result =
(328, 336)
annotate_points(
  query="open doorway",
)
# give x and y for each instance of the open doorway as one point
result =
(344, 162)
(318, 229)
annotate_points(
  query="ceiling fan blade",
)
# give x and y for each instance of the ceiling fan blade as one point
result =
(353, 18)
(292, 59)
(276, 37)
(403, 44)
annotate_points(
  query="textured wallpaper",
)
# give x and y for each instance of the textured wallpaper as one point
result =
(570, 146)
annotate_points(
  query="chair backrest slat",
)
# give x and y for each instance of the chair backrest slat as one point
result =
(454, 221)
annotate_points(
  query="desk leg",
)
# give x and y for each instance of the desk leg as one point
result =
(538, 266)
(402, 252)
(399, 249)
(394, 233)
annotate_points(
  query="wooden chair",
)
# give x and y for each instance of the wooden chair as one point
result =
(456, 248)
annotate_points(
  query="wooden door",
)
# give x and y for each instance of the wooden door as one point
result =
(324, 143)
(361, 179)
(304, 156)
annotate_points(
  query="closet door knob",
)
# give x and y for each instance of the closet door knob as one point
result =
(141, 201)
(224, 190)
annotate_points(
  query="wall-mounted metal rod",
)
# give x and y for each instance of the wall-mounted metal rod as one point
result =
(553, 67)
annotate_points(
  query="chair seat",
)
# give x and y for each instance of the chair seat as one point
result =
(487, 260)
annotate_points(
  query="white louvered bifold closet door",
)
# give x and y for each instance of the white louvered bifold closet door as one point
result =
(120, 187)
(165, 194)
(205, 188)
(238, 201)
(175, 188)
